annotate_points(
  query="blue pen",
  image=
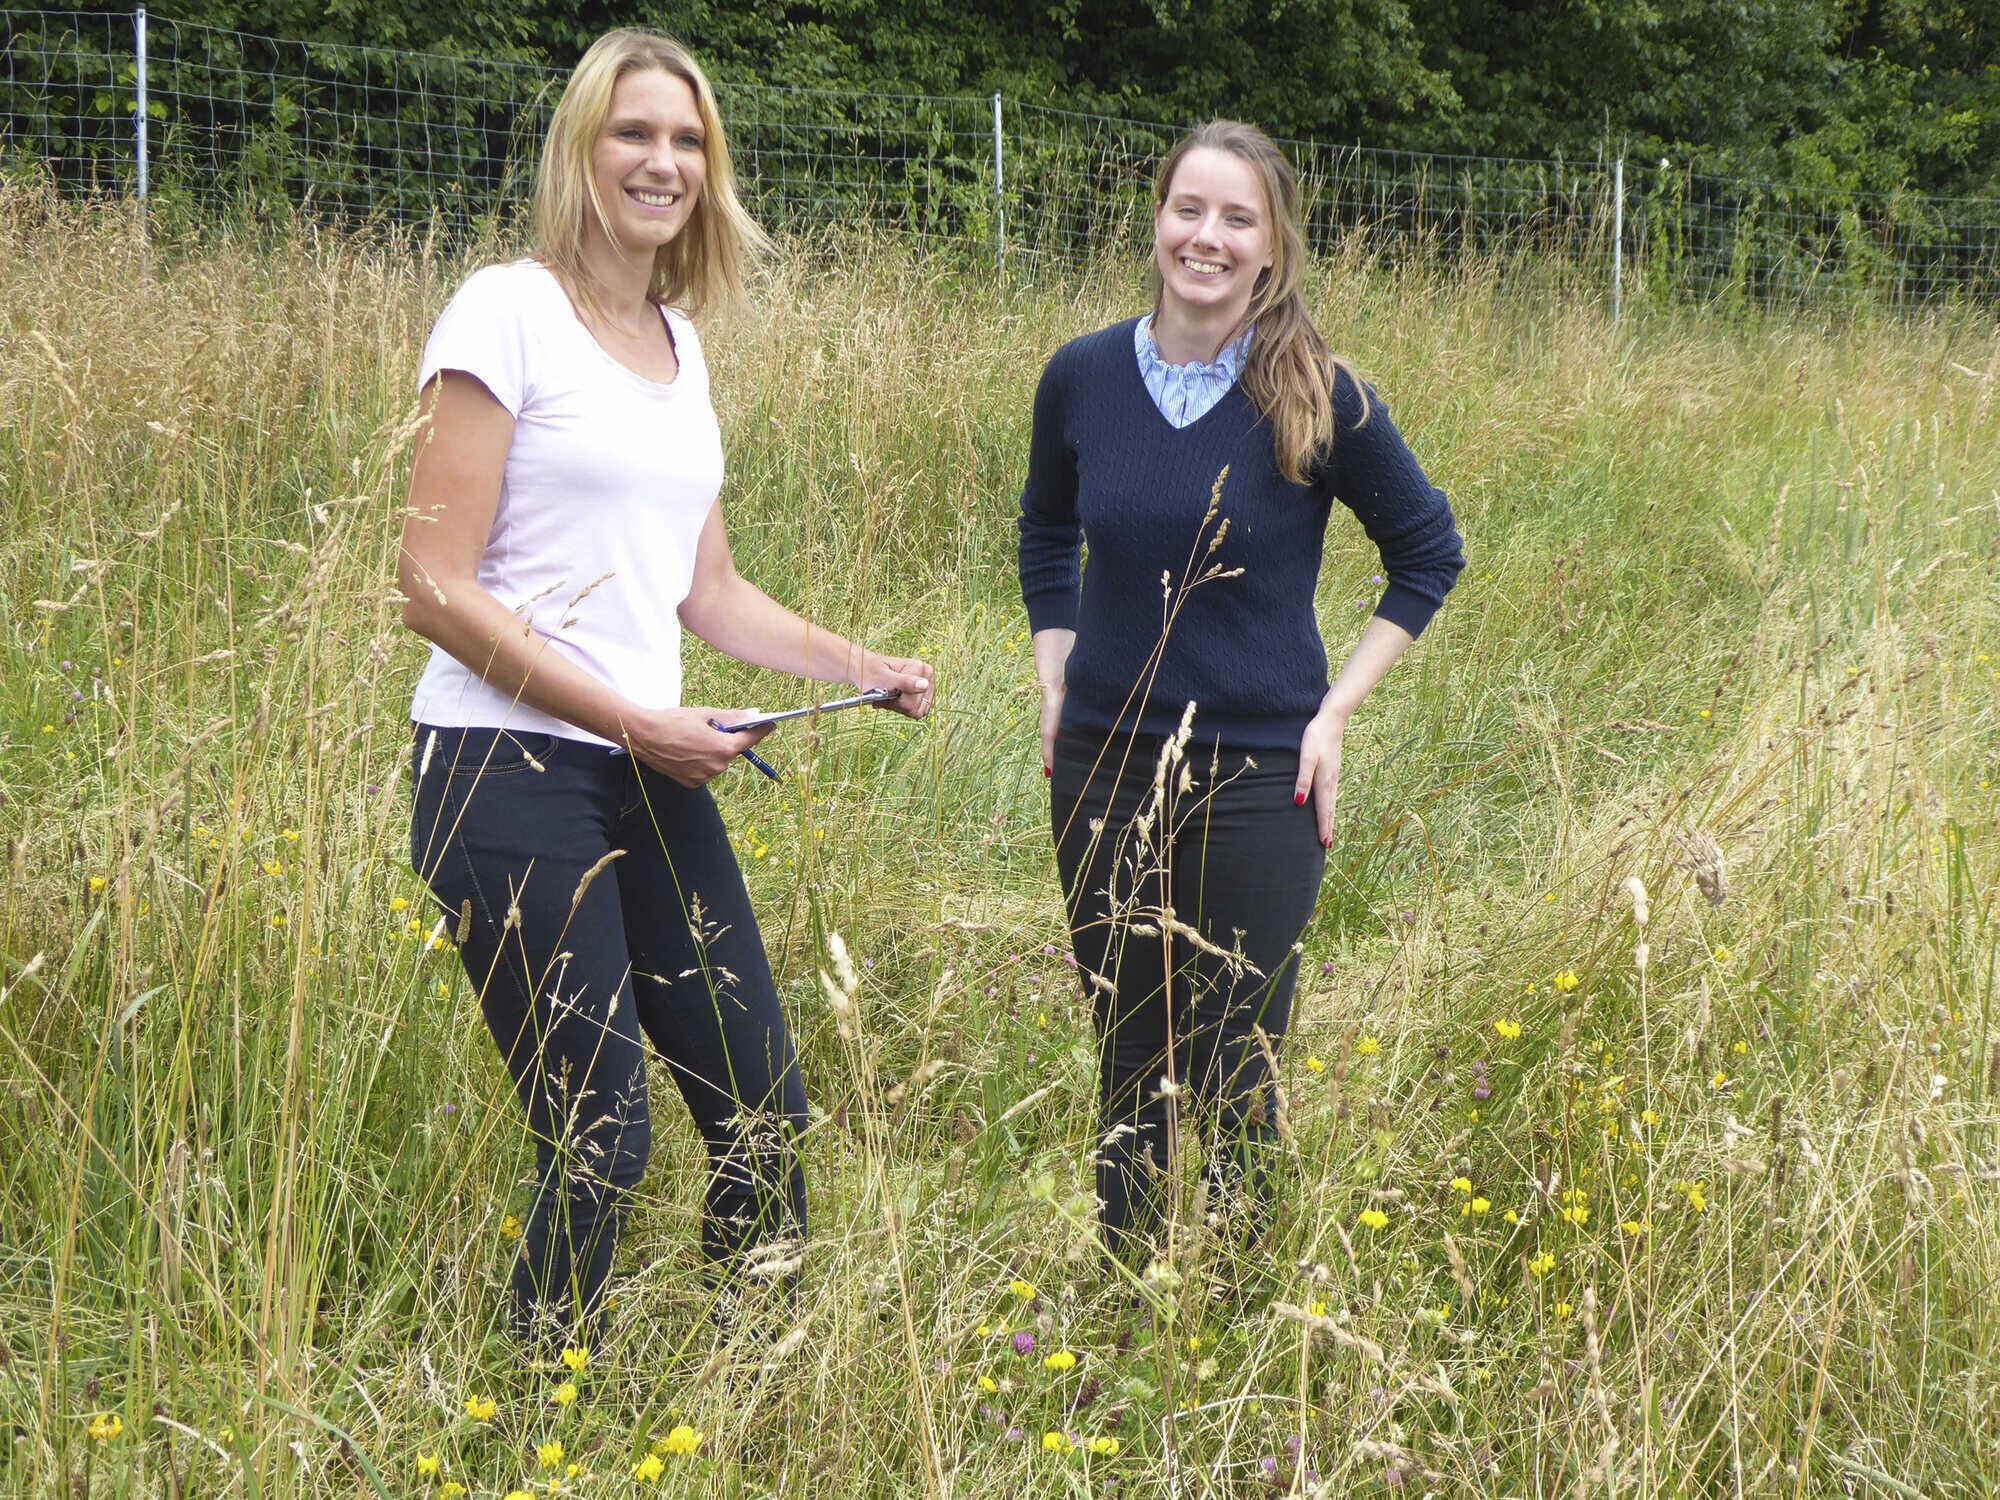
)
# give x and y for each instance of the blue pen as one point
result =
(750, 755)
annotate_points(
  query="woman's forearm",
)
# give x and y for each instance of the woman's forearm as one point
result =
(1381, 645)
(1052, 649)
(503, 650)
(741, 620)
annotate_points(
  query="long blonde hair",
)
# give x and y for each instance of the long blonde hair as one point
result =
(702, 265)
(1290, 374)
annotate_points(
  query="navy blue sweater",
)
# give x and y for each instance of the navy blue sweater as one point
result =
(1104, 467)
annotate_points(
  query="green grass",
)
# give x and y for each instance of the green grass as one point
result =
(1728, 581)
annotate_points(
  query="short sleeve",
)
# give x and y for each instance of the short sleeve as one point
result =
(484, 331)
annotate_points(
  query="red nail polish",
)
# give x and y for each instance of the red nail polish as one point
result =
(1298, 799)
(1049, 773)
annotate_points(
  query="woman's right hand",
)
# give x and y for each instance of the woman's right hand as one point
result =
(685, 745)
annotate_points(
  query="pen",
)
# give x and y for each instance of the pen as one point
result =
(750, 755)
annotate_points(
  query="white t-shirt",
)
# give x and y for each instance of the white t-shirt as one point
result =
(609, 479)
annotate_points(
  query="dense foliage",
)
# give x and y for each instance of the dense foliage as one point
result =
(1862, 95)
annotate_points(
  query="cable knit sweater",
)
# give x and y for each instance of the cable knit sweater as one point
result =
(1159, 622)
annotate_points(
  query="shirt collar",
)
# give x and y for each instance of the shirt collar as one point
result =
(1227, 364)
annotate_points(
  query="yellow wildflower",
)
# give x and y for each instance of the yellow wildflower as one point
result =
(1563, 1309)
(1313, 1065)
(1740, 1048)
(1542, 1264)
(97, 883)
(1056, 1442)
(1368, 1046)
(1567, 981)
(549, 1455)
(576, 1361)
(1104, 1447)
(1577, 1214)
(1511, 1030)
(564, 1394)
(480, 1408)
(510, 1228)
(988, 1384)
(428, 1465)
(452, 1490)
(682, 1441)
(399, 903)
(650, 1469)
(1697, 1200)
(1023, 1289)
(1720, 1081)
(1461, 1185)
(1318, 1309)
(1634, 1227)
(1374, 1218)
(290, 835)
(1060, 1361)
(272, 868)
(1648, 1117)
(106, 1426)
(1479, 1206)
(1722, 953)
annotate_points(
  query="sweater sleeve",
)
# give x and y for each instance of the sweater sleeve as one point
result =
(1051, 537)
(1409, 520)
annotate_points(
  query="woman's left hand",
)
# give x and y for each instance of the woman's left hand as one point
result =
(912, 677)
(1319, 770)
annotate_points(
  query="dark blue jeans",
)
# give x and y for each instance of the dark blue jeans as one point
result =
(1230, 859)
(573, 959)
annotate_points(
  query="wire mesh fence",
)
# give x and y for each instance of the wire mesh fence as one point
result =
(214, 121)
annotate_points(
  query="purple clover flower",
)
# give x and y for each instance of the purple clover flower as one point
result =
(1024, 1344)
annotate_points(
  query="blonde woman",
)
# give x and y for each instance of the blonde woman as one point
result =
(1185, 639)
(563, 531)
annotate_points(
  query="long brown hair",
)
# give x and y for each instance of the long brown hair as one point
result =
(706, 261)
(1291, 372)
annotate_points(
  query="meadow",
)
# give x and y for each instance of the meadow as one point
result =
(1640, 1109)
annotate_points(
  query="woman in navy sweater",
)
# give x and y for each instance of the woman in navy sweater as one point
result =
(1192, 740)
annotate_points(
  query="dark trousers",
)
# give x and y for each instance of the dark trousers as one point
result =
(1185, 907)
(574, 958)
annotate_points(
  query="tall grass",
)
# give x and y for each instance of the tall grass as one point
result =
(1719, 1218)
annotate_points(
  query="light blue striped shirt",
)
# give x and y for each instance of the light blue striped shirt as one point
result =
(1187, 393)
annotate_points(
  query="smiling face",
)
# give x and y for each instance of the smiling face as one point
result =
(1212, 235)
(650, 161)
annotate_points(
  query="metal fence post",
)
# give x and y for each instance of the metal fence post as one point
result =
(1617, 240)
(139, 52)
(999, 193)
